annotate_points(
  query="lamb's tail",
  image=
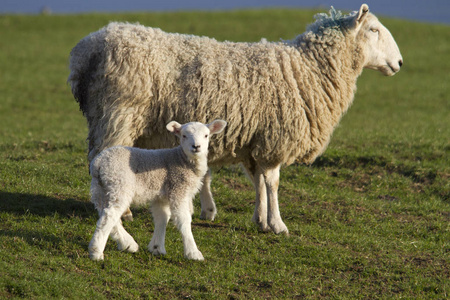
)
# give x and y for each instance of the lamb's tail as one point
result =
(97, 194)
(94, 168)
(85, 58)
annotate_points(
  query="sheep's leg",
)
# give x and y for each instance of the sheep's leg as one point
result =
(267, 214)
(182, 219)
(109, 218)
(125, 241)
(272, 179)
(209, 210)
(161, 216)
(127, 215)
(260, 213)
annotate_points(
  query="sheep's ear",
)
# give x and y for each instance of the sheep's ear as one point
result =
(174, 127)
(361, 15)
(216, 126)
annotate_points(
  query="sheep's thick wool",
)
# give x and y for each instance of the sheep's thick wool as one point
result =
(281, 100)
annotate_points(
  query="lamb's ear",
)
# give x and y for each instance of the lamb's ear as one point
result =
(361, 15)
(216, 126)
(174, 127)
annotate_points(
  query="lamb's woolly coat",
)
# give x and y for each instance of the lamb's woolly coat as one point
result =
(281, 100)
(146, 174)
(165, 178)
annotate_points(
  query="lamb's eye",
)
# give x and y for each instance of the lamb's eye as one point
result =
(373, 29)
(184, 136)
(206, 136)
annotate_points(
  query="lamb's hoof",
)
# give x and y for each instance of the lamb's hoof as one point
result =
(194, 255)
(208, 214)
(133, 247)
(96, 256)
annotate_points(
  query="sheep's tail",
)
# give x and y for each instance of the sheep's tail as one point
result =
(84, 61)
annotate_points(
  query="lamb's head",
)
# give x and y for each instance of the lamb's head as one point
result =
(379, 47)
(194, 136)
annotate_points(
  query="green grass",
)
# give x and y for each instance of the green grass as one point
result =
(369, 219)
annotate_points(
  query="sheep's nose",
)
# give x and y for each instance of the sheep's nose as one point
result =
(196, 147)
(400, 62)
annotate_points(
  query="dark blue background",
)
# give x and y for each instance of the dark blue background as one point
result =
(422, 10)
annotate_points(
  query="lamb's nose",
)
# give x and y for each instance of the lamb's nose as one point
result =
(400, 62)
(196, 147)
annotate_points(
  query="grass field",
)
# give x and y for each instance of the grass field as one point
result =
(369, 219)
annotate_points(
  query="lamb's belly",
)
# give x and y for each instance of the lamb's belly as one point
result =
(146, 197)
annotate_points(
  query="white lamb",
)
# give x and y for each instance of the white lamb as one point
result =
(167, 178)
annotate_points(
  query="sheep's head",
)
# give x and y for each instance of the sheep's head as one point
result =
(194, 136)
(379, 47)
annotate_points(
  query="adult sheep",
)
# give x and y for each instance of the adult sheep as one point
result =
(282, 100)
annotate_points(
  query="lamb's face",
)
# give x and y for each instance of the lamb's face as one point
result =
(194, 136)
(194, 139)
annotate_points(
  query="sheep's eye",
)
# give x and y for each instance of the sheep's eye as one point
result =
(184, 136)
(206, 136)
(374, 30)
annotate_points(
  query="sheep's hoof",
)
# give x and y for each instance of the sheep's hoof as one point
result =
(194, 255)
(208, 214)
(127, 216)
(156, 250)
(96, 256)
(262, 225)
(279, 228)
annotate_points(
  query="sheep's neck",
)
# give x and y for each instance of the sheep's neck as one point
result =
(340, 66)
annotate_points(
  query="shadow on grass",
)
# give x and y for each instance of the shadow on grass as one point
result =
(428, 180)
(43, 235)
(415, 173)
(40, 205)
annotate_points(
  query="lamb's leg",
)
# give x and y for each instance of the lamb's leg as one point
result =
(100, 139)
(209, 210)
(125, 241)
(272, 177)
(182, 219)
(109, 217)
(161, 216)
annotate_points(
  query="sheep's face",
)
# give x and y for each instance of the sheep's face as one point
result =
(380, 49)
(194, 136)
